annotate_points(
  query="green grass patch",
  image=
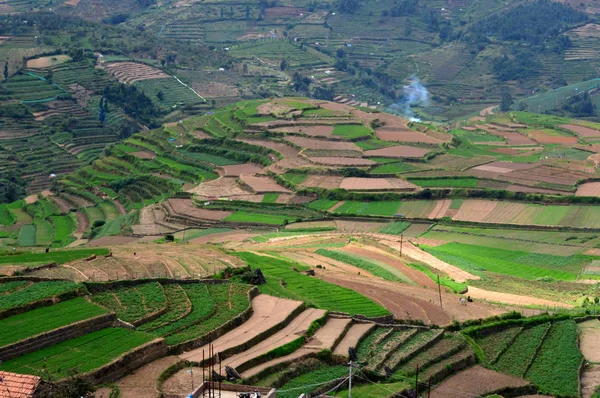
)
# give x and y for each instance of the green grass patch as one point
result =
(213, 159)
(374, 143)
(515, 359)
(27, 235)
(393, 168)
(43, 233)
(40, 320)
(296, 386)
(383, 208)
(84, 353)
(245, 217)
(322, 204)
(444, 280)
(508, 262)
(295, 178)
(35, 292)
(270, 197)
(375, 269)
(6, 217)
(395, 228)
(466, 182)
(64, 227)
(309, 289)
(133, 303)
(492, 344)
(351, 131)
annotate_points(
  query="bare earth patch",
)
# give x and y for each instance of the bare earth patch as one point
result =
(405, 135)
(341, 161)
(237, 169)
(374, 184)
(44, 62)
(399, 151)
(143, 154)
(475, 210)
(477, 381)
(581, 130)
(263, 184)
(589, 339)
(588, 189)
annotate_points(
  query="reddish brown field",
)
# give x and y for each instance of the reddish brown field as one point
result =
(237, 169)
(407, 135)
(313, 131)
(373, 184)
(545, 173)
(512, 137)
(215, 89)
(476, 382)
(131, 72)
(581, 130)
(273, 12)
(340, 161)
(143, 154)
(311, 143)
(323, 181)
(263, 184)
(398, 151)
(475, 210)
(440, 209)
(544, 138)
(588, 189)
(185, 207)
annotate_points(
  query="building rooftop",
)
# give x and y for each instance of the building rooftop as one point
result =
(14, 385)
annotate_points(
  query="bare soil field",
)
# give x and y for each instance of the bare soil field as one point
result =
(312, 143)
(399, 151)
(237, 169)
(315, 260)
(131, 72)
(323, 181)
(341, 161)
(142, 382)
(512, 137)
(356, 226)
(109, 241)
(389, 134)
(268, 311)
(581, 131)
(220, 188)
(440, 209)
(313, 131)
(459, 163)
(215, 89)
(589, 340)
(285, 149)
(352, 338)
(263, 184)
(310, 224)
(374, 184)
(590, 379)
(60, 107)
(475, 210)
(543, 173)
(185, 207)
(44, 62)
(502, 167)
(143, 154)
(544, 138)
(274, 12)
(588, 189)
(512, 299)
(477, 381)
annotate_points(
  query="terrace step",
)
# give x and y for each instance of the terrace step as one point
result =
(270, 314)
(354, 335)
(325, 338)
(296, 328)
(411, 348)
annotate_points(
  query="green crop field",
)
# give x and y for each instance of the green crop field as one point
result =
(302, 287)
(494, 343)
(516, 263)
(384, 208)
(245, 217)
(295, 387)
(35, 292)
(84, 353)
(133, 303)
(351, 131)
(322, 204)
(177, 302)
(395, 228)
(27, 235)
(270, 197)
(6, 217)
(467, 182)
(515, 359)
(40, 320)
(377, 269)
(555, 369)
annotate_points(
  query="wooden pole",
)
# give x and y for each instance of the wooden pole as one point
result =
(203, 381)
(417, 382)
(440, 292)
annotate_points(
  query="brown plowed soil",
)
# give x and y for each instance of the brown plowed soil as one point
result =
(82, 222)
(185, 207)
(475, 382)
(581, 130)
(107, 241)
(341, 161)
(513, 299)
(64, 206)
(237, 169)
(142, 382)
(314, 260)
(352, 338)
(544, 138)
(588, 189)
(400, 135)
(224, 187)
(268, 312)
(589, 340)
(475, 210)
(143, 154)
(373, 184)
(323, 181)
(440, 209)
(295, 328)
(263, 184)
(119, 207)
(312, 143)
(398, 151)
(590, 379)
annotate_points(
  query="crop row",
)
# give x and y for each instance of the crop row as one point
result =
(133, 303)
(368, 266)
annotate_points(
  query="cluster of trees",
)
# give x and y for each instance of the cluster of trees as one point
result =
(581, 105)
(12, 186)
(519, 65)
(348, 6)
(534, 24)
(404, 8)
(133, 102)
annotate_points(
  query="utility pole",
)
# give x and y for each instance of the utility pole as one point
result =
(417, 382)
(350, 382)
(440, 292)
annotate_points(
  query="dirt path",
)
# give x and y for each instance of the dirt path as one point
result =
(352, 338)
(590, 379)
(589, 340)
(268, 312)
(476, 382)
(513, 299)
(82, 222)
(411, 251)
(142, 382)
(120, 207)
(62, 204)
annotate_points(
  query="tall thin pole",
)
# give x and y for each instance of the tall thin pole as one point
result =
(350, 382)
(417, 382)
(401, 242)
(203, 381)
(220, 370)
(440, 291)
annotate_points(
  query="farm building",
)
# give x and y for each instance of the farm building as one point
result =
(16, 385)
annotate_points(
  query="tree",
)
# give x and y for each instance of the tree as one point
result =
(283, 65)
(340, 53)
(160, 95)
(6, 71)
(507, 101)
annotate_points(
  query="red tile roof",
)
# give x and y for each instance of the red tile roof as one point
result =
(13, 385)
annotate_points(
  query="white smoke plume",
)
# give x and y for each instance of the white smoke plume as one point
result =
(413, 94)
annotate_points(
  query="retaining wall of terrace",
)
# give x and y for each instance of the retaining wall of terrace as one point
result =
(99, 287)
(56, 336)
(218, 332)
(38, 304)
